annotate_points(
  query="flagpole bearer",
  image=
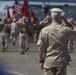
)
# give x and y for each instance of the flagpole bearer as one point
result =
(25, 24)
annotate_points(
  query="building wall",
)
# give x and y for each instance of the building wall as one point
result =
(3, 6)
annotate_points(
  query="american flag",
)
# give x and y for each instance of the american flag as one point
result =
(17, 7)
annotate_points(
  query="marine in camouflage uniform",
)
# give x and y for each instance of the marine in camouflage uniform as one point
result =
(23, 37)
(52, 46)
(72, 38)
(14, 31)
(5, 38)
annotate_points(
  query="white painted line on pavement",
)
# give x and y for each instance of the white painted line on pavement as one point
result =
(12, 72)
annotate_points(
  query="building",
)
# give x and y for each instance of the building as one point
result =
(69, 6)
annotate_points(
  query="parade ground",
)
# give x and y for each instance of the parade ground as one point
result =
(13, 63)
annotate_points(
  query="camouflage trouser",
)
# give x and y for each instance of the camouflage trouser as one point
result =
(23, 39)
(13, 37)
(55, 71)
(5, 40)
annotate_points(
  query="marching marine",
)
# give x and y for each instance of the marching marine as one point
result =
(23, 36)
(5, 38)
(14, 30)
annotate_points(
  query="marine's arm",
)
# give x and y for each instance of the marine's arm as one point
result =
(66, 22)
(40, 54)
(40, 50)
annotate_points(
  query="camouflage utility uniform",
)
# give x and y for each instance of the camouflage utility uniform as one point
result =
(54, 39)
(5, 38)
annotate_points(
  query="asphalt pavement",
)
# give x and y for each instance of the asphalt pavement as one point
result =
(13, 63)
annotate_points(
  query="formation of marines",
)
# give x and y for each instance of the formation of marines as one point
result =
(13, 29)
(10, 32)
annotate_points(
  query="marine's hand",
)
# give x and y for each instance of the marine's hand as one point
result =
(41, 65)
(70, 20)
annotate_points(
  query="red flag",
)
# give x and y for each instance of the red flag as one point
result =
(13, 12)
(8, 13)
(33, 17)
(25, 10)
